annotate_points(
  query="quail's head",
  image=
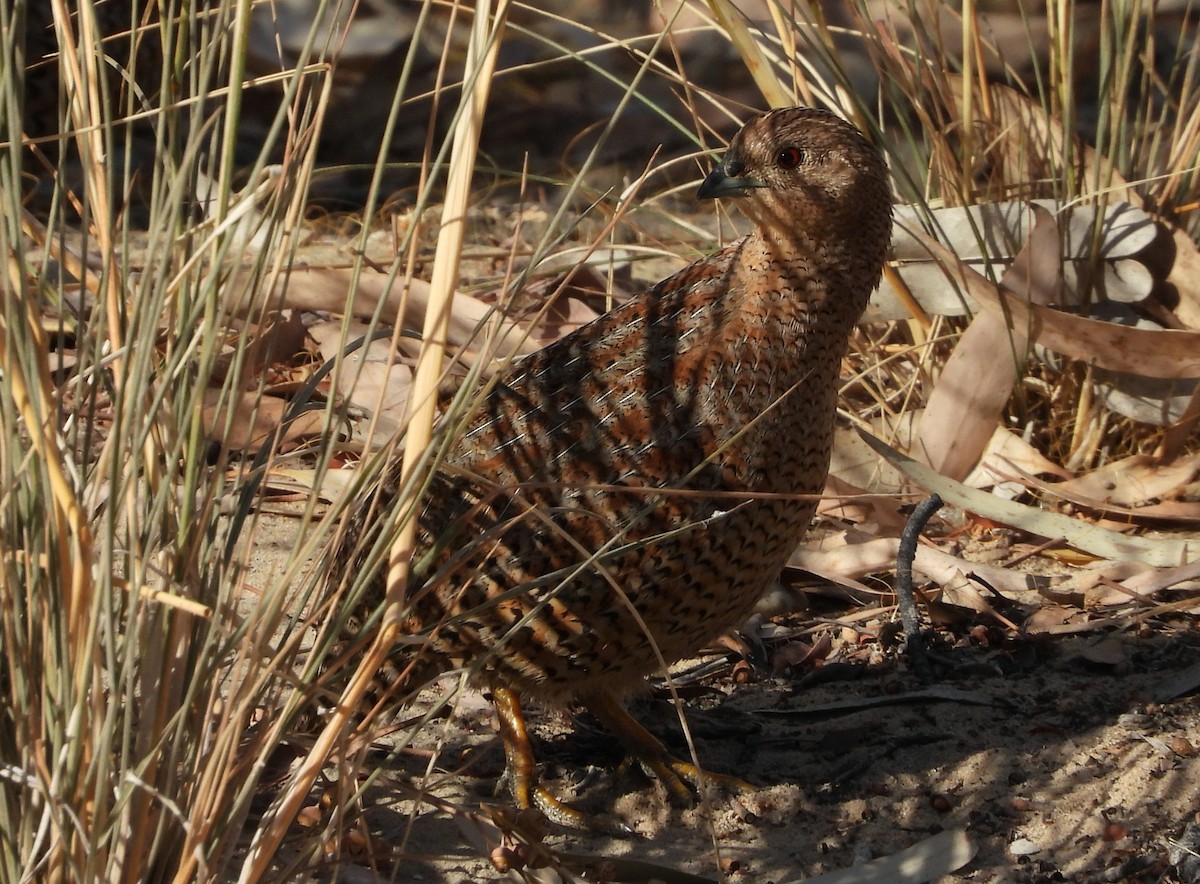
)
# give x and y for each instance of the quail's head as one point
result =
(806, 171)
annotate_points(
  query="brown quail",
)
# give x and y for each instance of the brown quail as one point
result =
(596, 518)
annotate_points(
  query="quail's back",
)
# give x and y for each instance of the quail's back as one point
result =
(597, 516)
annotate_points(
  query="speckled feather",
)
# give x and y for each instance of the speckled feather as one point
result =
(569, 559)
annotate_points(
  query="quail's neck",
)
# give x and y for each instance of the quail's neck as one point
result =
(815, 269)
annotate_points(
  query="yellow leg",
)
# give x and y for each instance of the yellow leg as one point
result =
(521, 771)
(653, 755)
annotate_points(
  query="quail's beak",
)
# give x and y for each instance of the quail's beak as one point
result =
(727, 180)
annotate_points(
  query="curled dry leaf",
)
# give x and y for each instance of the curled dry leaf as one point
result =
(1108, 498)
(1155, 401)
(1081, 535)
(564, 302)
(852, 554)
(1099, 584)
(1176, 260)
(966, 403)
(326, 284)
(277, 339)
(990, 234)
(927, 860)
(855, 468)
(795, 653)
(1135, 480)
(1124, 238)
(251, 421)
(1054, 619)
(1163, 353)
(374, 378)
(1005, 448)
(962, 592)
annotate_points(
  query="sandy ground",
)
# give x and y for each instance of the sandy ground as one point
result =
(1067, 759)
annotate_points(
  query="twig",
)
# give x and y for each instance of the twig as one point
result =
(904, 584)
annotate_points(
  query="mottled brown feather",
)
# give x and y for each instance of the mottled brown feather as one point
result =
(571, 562)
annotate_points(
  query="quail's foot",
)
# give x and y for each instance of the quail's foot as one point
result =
(520, 772)
(642, 747)
(652, 756)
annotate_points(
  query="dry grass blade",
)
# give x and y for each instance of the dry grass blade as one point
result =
(481, 59)
(132, 709)
(70, 548)
(734, 22)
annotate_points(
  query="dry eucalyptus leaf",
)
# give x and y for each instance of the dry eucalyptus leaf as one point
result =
(1153, 353)
(852, 554)
(1101, 503)
(277, 339)
(849, 503)
(963, 592)
(1176, 684)
(252, 419)
(374, 378)
(927, 860)
(855, 464)
(1006, 449)
(1153, 401)
(475, 328)
(1091, 584)
(576, 299)
(1149, 581)
(1134, 480)
(996, 231)
(333, 482)
(992, 233)
(1127, 281)
(976, 382)
(1081, 535)
(1054, 619)
(1185, 278)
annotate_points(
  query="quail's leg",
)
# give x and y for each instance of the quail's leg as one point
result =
(653, 755)
(521, 771)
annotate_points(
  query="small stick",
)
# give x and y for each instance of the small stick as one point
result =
(904, 584)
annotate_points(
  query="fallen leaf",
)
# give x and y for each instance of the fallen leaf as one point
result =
(977, 380)
(927, 860)
(252, 420)
(987, 235)
(1082, 535)
(1158, 353)
(1052, 619)
(853, 554)
(1174, 511)
(1007, 448)
(1134, 480)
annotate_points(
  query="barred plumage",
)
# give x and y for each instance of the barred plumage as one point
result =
(620, 457)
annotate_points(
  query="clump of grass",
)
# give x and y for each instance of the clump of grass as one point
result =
(135, 672)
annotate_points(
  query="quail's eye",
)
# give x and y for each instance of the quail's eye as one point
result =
(790, 157)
